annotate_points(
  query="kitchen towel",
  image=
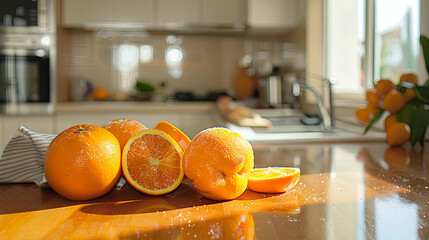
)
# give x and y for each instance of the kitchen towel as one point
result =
(23, 158)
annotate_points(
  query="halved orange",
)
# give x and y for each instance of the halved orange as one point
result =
(273, 180)
(175, 133)
(151, 162)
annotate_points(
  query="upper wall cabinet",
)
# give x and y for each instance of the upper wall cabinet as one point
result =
(99, 13)
(224, 12)
(172, 14)
(275, 14)
(152, 14)
(179, 11)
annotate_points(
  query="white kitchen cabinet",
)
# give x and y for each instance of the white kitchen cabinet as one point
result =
(150, 14)
(179, 11)
(225, 12)
(202, 13)
(92, 13)
(9, 125)
(274, 14)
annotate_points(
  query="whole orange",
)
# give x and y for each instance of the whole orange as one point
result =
(398, 134)
(373, 97)
(409, 94)
(384, 85)
(218, 161)
(394, 101)
(391, 119)
(124, 129)
(83, 162)
(408, 77)
(363, 115)
(99, 94)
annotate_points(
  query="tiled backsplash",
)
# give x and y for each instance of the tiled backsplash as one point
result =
(206, 64)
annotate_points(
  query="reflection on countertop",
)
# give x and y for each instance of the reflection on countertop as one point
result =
(346, 191)
(352, 191)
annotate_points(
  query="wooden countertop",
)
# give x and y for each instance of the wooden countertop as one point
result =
(346, 191)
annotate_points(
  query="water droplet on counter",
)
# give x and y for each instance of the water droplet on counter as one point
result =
(322, 181)
(427, 187)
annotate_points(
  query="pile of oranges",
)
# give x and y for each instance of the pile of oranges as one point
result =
(386, 96)
(86, 161)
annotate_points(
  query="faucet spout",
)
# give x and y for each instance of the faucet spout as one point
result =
(327, 118)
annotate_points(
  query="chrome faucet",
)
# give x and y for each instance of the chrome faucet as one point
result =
(324, 100)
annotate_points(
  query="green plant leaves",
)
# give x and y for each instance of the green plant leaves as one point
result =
(375, 119)
(417, 117)
(144, 87)
(422, 93)
(424, 41)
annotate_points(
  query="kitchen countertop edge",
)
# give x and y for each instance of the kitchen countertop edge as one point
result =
(130, 106)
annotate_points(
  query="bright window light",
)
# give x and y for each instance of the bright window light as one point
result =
(174, 55)
(46, 40)
(146, 53)
(126, 57)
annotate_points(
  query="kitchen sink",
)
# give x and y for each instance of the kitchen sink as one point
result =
(287, 127)
(288, 124)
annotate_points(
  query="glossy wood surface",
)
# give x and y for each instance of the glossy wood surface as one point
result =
(346, 191)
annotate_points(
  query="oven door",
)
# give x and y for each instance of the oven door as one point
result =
(24, 76)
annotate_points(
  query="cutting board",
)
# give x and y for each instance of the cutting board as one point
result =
(241, 115)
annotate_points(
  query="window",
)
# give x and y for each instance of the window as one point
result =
(370, 39)
(396, 38)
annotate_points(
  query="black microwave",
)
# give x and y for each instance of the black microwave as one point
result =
(26, 16)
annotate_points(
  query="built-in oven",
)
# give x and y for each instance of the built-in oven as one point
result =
(26, 73)
(27, 56)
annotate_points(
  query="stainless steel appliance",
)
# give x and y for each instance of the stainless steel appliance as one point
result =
(27, 57)
(27, 16)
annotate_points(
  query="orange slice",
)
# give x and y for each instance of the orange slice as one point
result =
(151, 162)
(175, 133)
(273, 180)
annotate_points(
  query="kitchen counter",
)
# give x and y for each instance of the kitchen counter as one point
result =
(131, 106)
(346, 191)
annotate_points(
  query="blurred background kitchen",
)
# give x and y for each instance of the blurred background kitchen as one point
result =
(54, 52)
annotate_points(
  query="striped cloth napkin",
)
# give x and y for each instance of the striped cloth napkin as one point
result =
(23, 158)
